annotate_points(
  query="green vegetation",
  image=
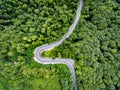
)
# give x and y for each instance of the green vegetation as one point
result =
(94, 45)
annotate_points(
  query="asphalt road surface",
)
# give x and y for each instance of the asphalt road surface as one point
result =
(67, 61)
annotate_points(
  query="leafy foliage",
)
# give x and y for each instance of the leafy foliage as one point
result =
(94, 45)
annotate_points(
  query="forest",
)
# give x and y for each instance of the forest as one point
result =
(94, 45)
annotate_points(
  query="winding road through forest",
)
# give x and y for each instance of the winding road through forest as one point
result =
(67, 61)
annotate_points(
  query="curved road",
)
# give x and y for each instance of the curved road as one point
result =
(69, 62)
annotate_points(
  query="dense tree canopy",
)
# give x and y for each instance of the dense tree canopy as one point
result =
(94, 45)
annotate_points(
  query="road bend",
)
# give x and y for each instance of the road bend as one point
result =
(67, 61)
